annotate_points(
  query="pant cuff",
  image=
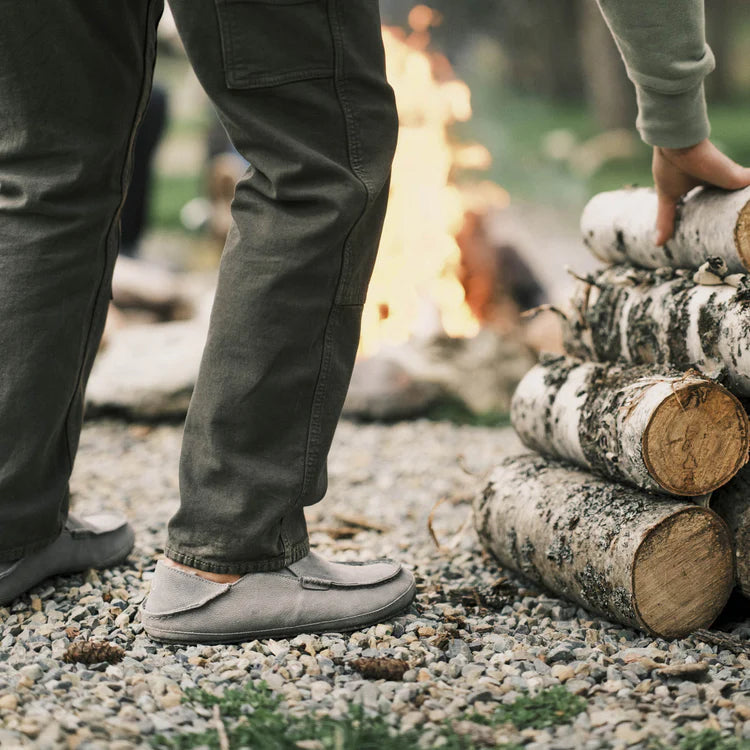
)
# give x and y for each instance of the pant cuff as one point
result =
(293, 553)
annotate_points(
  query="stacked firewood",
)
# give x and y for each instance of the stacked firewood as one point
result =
(635, 503)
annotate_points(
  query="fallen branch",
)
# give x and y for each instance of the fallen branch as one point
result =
(361, 522)
(456, 538)
(220, 728)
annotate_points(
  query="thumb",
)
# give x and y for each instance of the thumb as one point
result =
(665, 218)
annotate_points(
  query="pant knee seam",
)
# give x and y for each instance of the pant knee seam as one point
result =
(313, 431)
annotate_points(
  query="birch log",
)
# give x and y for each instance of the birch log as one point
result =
(675, 433)
(618, 227)
(732, 503)
(663, 565)
(639, 318)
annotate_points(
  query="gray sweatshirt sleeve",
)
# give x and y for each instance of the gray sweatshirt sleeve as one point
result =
(663, 43)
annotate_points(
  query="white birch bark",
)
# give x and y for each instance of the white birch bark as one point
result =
(640, 318)
(618, 227)
(662, 565)
(674, 433)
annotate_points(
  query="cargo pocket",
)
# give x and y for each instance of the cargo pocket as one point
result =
(272, 42)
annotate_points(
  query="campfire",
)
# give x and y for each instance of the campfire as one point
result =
(440, 320)
(434, 285)
(415, 288)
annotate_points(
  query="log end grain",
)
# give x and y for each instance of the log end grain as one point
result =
(742, 235)
(683, 573)
(696, 440)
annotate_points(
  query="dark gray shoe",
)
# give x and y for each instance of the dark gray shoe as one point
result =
(96, 541)
(310, 596)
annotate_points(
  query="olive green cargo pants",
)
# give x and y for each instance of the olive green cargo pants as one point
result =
(300, 87)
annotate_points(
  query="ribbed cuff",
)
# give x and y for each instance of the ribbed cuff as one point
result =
(292, 554)
(672, 120)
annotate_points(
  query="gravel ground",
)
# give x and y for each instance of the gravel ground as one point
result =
(464, 657)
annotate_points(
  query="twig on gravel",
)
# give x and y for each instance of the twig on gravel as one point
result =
(453, 543)
(220, 729)
(361, 522)
(723, 640)
(695, 672)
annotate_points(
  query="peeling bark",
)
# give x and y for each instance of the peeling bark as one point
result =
(732, 503)
(675, 433)
(639, 317)
(618, 227)
(662, 565)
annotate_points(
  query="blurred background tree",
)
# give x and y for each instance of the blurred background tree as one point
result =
(538, 66)
(551, 99)
(561, 48)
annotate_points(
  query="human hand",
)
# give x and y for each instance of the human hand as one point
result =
(678, 170)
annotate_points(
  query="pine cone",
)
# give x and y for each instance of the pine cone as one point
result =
(380, 668)
(93, 652)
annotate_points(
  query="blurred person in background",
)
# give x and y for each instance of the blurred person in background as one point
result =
(135, 211)
(301, 89)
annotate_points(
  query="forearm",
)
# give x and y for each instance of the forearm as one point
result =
(664, 47)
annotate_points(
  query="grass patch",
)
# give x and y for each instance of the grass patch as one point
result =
(170, 194)
(454, 410)
(251, 718)
(256, 722)
(548, 708)
(513, 126)
(706, 739)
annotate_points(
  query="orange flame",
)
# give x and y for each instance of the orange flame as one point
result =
(415, 289)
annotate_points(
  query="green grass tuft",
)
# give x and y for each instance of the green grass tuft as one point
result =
(706, 739)
(170, 194)
(236, 702)
(711, 739)
(547, 709)
(454, 410)
(252, 719)
(256, 722)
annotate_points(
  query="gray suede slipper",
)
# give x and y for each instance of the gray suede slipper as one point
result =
(96, 541)
(310, 596)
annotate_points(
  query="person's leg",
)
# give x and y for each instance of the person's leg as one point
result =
(301, 89)
(74, 78)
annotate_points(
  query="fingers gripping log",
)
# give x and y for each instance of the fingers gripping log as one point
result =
(676, 433)
(618, 227)
(732, 503)
(639, 318)
(662, 565)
